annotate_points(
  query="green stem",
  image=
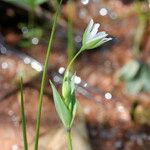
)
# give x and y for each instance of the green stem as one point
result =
(31, 14)
(38, 122)
(72, 61)
(70, 46)
(143, 18)
(23, 120)
(69, 139)
(31, 18)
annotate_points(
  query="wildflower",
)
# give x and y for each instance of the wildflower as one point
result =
(92, 38)
(66, 104)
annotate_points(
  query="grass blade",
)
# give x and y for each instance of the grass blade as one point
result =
(23, 120)
(70, 43)
(44, 79)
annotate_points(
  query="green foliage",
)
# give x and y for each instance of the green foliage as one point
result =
(136, 75)
(66, 108)
(33, 32)
(129, 71)
(26, 3)
(29, 34)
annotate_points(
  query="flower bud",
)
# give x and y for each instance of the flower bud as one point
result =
(66, 89)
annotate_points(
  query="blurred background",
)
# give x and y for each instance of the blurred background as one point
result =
(113, 81)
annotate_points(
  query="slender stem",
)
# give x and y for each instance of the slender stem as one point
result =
(31, 19)
(31, 13)
(23, 123)
(38, 122)
(72, 61)
(69, 139)
(143, 18)
(70, 46)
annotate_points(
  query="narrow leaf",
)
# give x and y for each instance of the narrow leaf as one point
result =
(23, 120)
(38, 121)
(20, 3)
(39, 2)
(73, 113)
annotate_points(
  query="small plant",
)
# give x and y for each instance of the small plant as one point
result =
(66, 102)
(136, 73)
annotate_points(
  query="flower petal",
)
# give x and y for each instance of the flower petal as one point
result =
(99, 37)
(102, 42)
(87, 31)
(92, 38)
(101, 34)
(94, 31)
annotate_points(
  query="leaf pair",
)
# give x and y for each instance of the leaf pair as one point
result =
(65, 105)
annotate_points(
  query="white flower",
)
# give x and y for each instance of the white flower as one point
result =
(92, 38)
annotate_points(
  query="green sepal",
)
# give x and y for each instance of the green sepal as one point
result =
(90, 45)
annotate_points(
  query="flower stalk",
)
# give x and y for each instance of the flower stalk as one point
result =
(69, 139)
(140, 31)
